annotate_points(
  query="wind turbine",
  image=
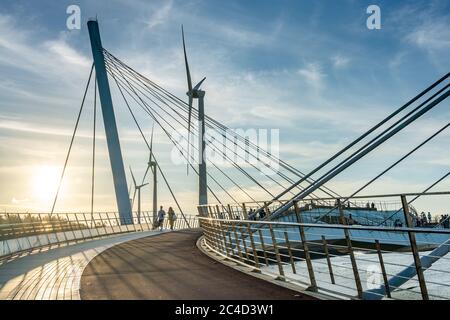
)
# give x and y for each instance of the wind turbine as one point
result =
(152, 164)
(138, 189)
(196, 93)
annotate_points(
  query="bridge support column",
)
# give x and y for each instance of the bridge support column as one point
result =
(112, 137)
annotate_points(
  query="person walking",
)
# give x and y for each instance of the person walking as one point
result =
(172, 217)
(161, 216)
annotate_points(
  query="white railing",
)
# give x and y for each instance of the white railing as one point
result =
(352, 261)
(27, 231)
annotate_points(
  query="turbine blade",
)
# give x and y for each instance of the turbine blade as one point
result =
(190, 94)
(151, 142)
(132, 175)
(145, 174)
(134, 196)
(188, 74)
(199, 84)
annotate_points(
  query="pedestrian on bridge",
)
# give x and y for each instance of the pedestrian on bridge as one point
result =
(172, 217)
(161, 216)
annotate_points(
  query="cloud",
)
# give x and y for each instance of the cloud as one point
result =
(161, 15)
(340, 61)
(424, 27)
(19, 201)
(312, 73)
(431, 35)
(50, 59)
(67, 54)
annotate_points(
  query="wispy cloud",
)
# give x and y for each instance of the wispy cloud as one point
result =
(431, 35)
(312, 73)
(160, 15)
(340, 61)
(45, 59)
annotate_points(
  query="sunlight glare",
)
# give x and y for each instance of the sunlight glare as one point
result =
(45, 182)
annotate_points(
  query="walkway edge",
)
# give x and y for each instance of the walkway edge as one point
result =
(248, 271)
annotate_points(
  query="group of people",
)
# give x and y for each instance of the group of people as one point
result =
(423, 219)
(253, 215)
(371, 206)
(159, 223)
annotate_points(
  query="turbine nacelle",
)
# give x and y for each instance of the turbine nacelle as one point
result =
(196, 92)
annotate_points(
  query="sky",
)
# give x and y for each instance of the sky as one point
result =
(311, 69)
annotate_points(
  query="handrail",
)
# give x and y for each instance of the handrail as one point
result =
(19, 236)
(316, 252)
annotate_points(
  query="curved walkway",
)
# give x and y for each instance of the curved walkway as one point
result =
(54, 274)
(170, 266)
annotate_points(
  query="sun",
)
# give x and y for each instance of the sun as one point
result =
(45, 182)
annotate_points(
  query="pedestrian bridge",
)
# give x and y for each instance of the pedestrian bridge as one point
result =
(138, 264)
(215, 258)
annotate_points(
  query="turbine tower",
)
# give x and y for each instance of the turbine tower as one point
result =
(153, 165)
(138, 189)
(196, 93)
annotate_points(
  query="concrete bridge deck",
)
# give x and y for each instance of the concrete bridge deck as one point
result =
(139, 265)
(170, 266)
(54, 274)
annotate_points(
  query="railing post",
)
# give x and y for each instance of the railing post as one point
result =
(383, 269)
(277, 253)
(288, 246)
(63, 230)
(12, 226)
(312, 276)
(224, 239)
(34, 229)
(103, 223)
(79, 227)
(414, 249)
(44, 229)
(244, 211)
(216, 237)
(350, 250)
(218, 212)
(330, 267)
(252, 242)
(209, 211)
(71, 227)
(205, 227)
(244, 242)
(24, 231)
(231, 241)
(90, 229)
(263, 247)
(237, 241)
(230, 212)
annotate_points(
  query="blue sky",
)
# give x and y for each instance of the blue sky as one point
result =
(309, 68)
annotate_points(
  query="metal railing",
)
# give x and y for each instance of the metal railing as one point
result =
(351, 261)
(26, 231)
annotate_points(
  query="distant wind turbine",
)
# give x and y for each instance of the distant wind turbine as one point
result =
(137, 188)
(153, 165)
(196, 93)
